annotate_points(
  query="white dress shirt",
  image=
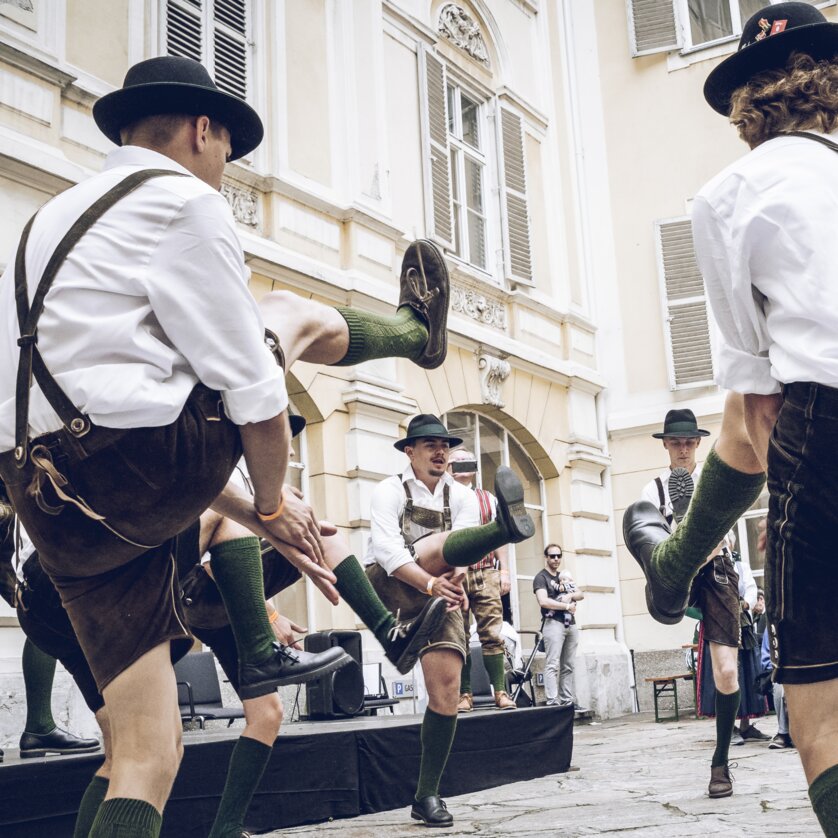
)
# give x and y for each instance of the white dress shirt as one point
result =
(386, 543)
(651, 494)
(151, 300)
(765, 239)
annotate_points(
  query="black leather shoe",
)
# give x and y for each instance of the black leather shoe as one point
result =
(408, 637)
(425, 288)
(57, 741)
(288, 666)
(512, 514)
(643, 529)
(681, 486)
(431, 811)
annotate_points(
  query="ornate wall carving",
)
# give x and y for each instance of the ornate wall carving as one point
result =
(460, 28)
(478, 306)
(493, 372)
(244, 203)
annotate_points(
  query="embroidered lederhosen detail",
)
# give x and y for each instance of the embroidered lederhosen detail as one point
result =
(419, 521)
(31, 363)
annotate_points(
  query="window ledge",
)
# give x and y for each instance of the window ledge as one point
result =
(705, 52)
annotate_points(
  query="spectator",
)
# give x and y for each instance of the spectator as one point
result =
(560, 639)
(782, 739)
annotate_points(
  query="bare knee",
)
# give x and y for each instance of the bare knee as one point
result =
(263, 718)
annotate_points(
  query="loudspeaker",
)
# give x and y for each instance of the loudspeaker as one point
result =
(338, 694)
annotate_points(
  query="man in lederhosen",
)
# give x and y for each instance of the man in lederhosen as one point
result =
(765, 243)
(412, 516)
(127, 302)
(485, 582)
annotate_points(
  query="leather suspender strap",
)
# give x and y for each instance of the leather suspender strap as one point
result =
(446, 508)
(662, 498)
(806, 136)
(30, 362)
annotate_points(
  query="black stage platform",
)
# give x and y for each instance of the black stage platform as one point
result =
(318, 770)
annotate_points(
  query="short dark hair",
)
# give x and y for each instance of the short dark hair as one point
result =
(552, 544)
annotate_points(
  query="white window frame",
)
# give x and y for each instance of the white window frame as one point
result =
(459, 149)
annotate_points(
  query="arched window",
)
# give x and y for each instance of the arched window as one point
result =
(495, 446)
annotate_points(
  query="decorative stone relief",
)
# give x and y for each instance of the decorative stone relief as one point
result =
(23, 5)
(456, 25)
(493, 372)
(244, 204)
(478, 306)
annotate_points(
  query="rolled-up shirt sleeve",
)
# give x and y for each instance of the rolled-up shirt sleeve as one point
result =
(386, 540)
(466, 513)
(196, 283)
(725, 260)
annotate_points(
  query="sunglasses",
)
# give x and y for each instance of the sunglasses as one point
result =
(554, 555)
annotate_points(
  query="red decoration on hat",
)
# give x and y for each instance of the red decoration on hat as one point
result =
(777, 27)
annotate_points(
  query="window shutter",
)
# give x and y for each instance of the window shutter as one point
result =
(653, 26)
(686, 322)
(439, 220)
(183, 29)
(230, 46)
(514, 208)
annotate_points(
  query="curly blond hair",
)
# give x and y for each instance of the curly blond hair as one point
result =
(803, 96)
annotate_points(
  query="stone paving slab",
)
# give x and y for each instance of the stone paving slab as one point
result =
(634, 778)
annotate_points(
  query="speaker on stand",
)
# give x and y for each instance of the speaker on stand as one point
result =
(340, 694)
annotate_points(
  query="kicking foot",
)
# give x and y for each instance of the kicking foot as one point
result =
(425, 288)
(288, 666)
(57, 741)
(512, 515)
(466, 704)
(680, 487)
(431, 811)
(407, 638)
(721, 783)
(644, 528)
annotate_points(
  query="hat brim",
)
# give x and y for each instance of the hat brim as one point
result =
(297, 423)
(118, 109)
(682, 434)
(453, 441)
(820, 40)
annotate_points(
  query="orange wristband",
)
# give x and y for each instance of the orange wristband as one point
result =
(274, 515)
(429, 588)
(273, 617)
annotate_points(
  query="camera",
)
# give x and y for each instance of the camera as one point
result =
(464, 467)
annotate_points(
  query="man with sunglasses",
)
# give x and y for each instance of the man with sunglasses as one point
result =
(561, 636)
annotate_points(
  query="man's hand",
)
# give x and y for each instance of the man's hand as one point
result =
(297, 526)
(449, 586)
(320, 575)
(571, 607)
(284, 630)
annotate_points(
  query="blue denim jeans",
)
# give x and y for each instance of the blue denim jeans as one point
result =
(801, 569)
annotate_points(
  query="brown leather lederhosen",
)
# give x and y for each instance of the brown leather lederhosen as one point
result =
(416, 523)
(101, 505)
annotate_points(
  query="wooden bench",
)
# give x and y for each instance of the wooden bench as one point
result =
(668, 685)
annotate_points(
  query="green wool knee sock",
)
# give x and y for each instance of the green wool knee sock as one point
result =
(399, 335)
(437, 736)
(354, 586)
(247, 764)
(237, 570)
(465, 547)
(465, 675)
(497, 675)
(824, 796)
(124, 817)
(722, 495)
(38, 675)
(727, 705)
(89, 806)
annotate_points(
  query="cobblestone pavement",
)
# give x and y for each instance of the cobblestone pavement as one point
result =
(634, 777)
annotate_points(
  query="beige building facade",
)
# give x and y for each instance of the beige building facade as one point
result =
(388, 120)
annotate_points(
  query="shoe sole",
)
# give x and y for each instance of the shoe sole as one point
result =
(431, 825)
(58, 752)
(433, 253)
(681, 489)
(266, 687)
(659, 616)
(510, 494)
(432, 621)
(723, 794)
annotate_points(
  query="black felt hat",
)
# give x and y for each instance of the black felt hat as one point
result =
(172, 84)
(425, 424)
(768, 39)
(296, 422)
(680, 423)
